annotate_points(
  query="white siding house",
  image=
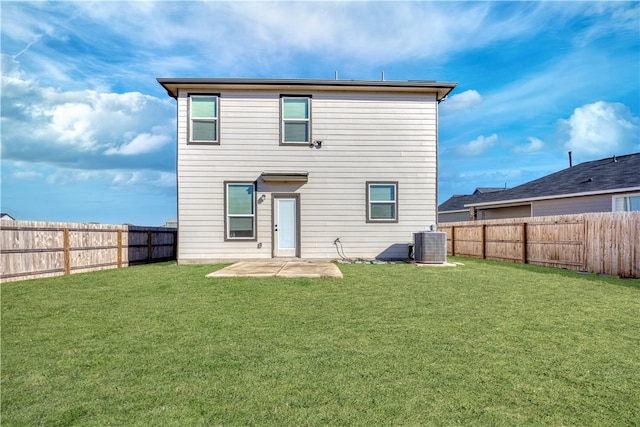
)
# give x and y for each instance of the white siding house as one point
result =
(304, 168)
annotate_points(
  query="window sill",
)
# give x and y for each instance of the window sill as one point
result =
(296, 144)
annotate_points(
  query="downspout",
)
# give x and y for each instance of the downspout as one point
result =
(438, 101)
(176, 243)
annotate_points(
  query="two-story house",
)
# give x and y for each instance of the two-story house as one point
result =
(313, 169)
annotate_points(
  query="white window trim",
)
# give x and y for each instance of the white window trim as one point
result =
(370, 202)
(215, 119)
(227, 227)
(283, 120)
(614, 198)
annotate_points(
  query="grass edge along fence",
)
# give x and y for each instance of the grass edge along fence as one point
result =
(34, 249)
(606, 243)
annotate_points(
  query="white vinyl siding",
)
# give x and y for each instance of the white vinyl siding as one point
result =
(367, 137)
(203, 118)
(453, 216)
(521, 211)
(296, 120)
(572, 205)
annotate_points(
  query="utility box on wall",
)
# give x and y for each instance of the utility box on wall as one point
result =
(430, 247)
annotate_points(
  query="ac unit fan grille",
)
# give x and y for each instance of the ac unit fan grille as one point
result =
(430, 247)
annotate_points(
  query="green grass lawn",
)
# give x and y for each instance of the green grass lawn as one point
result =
(486, 343)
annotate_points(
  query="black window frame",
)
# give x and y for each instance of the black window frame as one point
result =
(191, 119)
(369, 202)
(227, 227)
(283, 119)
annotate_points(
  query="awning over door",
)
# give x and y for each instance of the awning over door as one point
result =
(301, 177)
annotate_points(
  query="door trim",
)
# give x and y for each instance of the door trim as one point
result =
(274, 197)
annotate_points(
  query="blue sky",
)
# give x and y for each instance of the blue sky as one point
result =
(89, 135)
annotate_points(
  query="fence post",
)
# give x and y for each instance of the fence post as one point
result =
(149, 245)
(453, 240)
(175, 245)
(524, 242)
(120, 248)
(67, 252)
(484, 241)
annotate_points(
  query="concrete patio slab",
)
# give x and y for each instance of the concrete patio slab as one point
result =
(279, 269)
(444, 264)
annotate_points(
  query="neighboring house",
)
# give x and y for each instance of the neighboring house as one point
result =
(273, 168)
(454, 208)
(607, 185)
(6, 216)
(171, 223)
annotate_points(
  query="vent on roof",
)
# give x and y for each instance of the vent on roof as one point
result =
(586, 180)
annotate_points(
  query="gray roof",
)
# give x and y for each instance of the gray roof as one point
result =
(596, 177)
(457, 202)
(441, 88)
(488, 189)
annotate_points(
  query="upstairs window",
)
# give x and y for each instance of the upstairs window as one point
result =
(203, 119)
(240, 208)
(628, 203)
(296, 120)
(382, 202)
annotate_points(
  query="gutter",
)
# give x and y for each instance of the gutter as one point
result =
(456, 211)
(499, 203)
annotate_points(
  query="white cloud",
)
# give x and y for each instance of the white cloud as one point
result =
(602, 128)
(260, 37)
(71, 124)
(114, 178)
(64, 176)
(81, 128)
(534, 145)
(26, 175)
(462, 101)
(141, 144)
(477, 146)
(126, 179)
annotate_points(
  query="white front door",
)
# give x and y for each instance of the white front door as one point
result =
(285, 230)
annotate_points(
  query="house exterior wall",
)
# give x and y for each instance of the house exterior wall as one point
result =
(367, 136)
(522, 211)
(453, 216)
(572, 205)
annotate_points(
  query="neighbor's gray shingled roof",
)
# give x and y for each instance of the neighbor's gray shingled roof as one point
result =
(610, 174)
(458, 201)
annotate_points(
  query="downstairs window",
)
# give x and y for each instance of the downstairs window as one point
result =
(382, 202)
(240, 208)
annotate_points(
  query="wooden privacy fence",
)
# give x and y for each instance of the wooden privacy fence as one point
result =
(41, 249)
(607, 243)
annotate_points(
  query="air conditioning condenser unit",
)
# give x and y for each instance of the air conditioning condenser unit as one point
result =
(430, 247)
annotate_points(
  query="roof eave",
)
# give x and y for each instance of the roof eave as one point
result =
(442, 89)
(454, 211)
(513, 202)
